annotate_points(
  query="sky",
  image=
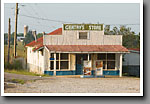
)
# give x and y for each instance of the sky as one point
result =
(50, 16)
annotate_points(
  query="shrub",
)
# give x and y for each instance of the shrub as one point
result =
(16, 64)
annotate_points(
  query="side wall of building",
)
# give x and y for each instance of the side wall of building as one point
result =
(35, 61)
(131, 63)
(132, 58)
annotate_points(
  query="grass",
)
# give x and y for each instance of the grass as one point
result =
(21, 81)
(21, 51)
(24, 72)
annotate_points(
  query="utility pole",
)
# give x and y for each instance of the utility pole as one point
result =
(9, 29)
(15, 34)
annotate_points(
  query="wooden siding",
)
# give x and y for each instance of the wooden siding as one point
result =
(71, 38)
(35, 62)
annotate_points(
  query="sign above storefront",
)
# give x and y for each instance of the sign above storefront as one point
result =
(98, 27)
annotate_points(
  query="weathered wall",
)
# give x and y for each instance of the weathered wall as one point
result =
(46, 59)
(71, 38)
(132, 70)
(35, 61)
(72, 61)
(132, 58)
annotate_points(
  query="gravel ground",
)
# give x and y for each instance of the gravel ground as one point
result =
(75, 85)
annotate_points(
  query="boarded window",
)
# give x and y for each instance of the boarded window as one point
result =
(83, 35)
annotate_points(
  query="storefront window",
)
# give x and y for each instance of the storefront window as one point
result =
(62, 61)
(111, 56)
(64, 56)
(64, 64)
(110, 64)
(101, 56)
(108, 60)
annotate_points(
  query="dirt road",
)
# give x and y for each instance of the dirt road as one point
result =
(73, 85)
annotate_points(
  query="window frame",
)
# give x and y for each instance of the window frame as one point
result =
(107, 60)
(88, 35)
(59, 60)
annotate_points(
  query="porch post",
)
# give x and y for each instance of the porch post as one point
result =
(88, 57)
(54, 64)
(120, 65)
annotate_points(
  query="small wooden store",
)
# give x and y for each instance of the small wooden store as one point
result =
(77, 49)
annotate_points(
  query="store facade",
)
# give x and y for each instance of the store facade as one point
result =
(77, 49)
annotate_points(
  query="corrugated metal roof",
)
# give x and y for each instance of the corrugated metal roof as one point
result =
(40, 40)
(134, 49)
(56, 32)
(87, 48)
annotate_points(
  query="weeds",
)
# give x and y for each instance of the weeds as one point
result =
(21, 81)
(24, 72)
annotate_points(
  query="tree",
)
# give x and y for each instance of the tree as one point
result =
(130, 39)
(39, 35)
(29, 38)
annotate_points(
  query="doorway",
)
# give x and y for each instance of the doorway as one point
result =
(79, 63)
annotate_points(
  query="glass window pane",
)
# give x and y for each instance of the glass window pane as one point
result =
(101, 56)
(57, 64)
(85, 56)
(52, 55)
(110, 64)
(64, 64)
(104, 64)
(57, 56)
(64, 56)
(82, 35)
(51, 65)
(111, 56)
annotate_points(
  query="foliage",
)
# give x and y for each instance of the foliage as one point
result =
(6, 38)
(39, 35)
(15, 65)
(21, 51)
(21, 81)
(130, 39)
(23, 72)
(29, 38)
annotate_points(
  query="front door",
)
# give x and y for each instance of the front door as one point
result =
(79, 64)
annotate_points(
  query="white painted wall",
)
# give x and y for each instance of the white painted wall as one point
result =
(70, 37)
(132, 58)
(35, 61)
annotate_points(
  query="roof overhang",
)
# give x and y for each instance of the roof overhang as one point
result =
(86, 49)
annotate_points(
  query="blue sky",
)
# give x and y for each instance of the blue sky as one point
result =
(115, 14)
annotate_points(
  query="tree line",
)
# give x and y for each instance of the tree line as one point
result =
(28, 38)
(130, 38)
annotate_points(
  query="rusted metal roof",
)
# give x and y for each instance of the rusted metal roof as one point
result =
(87, 48)
(39, 41)
(134, 49)
(56, 32)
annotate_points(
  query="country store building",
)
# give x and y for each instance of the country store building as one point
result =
(76, 49)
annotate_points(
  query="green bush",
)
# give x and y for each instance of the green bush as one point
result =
(15, 65)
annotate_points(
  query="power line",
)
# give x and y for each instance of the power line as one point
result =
(44, 19)
(121, 24)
